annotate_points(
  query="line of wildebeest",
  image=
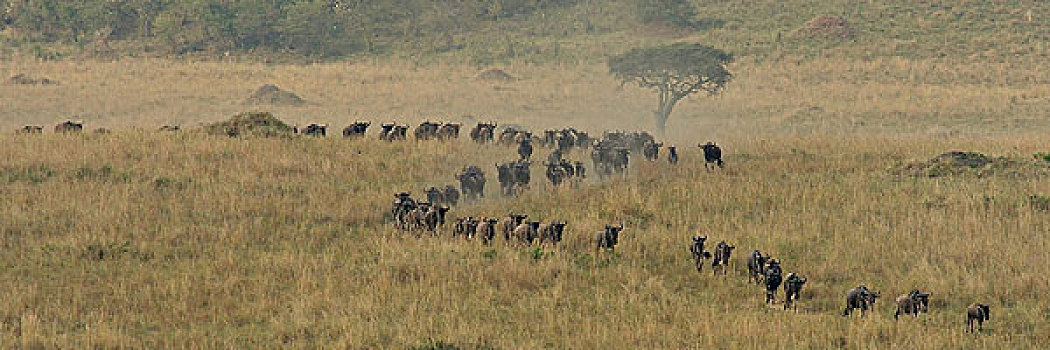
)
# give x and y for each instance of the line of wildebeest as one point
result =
(609, 154)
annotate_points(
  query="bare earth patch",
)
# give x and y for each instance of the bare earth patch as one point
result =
(825, 27)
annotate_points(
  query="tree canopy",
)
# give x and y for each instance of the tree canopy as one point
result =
(675, 71)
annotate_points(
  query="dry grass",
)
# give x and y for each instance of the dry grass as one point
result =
(147, 239)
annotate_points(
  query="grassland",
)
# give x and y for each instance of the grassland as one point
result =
(146, 239)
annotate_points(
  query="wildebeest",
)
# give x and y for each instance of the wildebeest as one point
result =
(512, 135)
(698, 253)
(69, 126)
(672, 155)
(386, 130)
(513, 177)
(912, 303)
(792, 289)
(712, 155)
(403, 205)
(312, 130)
(434, 217)
(756, 264)
(449, 131)
(525, 149)
(465, 226)
(486, 228)
(170, 128)
(526, 232)
(723, 251)
(651, 150)
(483, 132)
(860, 298)
(609, 159)
(398, 133)
(30, 129)
(979, 313)
(559, 172)
(510, 223)
(773, 277)
(426, 130)
(580, 170)
(472, 181)
(435, 195)
(357, 129)
(552, 232)
(608, 238)
(451, 195)
(505, 176)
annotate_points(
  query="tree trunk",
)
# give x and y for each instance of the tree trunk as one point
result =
(663, 111)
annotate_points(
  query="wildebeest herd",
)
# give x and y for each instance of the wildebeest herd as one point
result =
(610, 155)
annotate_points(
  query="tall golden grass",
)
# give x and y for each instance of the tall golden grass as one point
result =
(147, 239)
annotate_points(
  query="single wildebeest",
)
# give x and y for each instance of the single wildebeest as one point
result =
(792, 288)
(608, 238)
(386, 130)
(357, 129)
(525, 149)
(510, 223)
(672, 155)
(170, 128)
(550, 138)
(698, 253)
(451, 195)
(521, 176)
(472, 181)
(461, 226)
(756, 264)
(773, 277)
(313, 129)
(505, 176)
(69, 126)
(912, 303)
(435, 217)
(552, 232)
(435, 195)
(487, 230)
(426, 130)
(581, 172)
(526, 232)
(403, 205)
(723, 251)
(483, 132)
(651, 150)
(979, 313)
(556, 173)
(449, 131)
(399, 133)
(712, 155)
(860, 298)
(30, 129)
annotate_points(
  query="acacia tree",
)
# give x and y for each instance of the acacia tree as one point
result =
(675, 71)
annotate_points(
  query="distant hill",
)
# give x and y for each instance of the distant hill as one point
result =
(547, 31)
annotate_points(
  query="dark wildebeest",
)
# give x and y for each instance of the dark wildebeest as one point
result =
(712, 155)
(609, 238)
(69, 126)
(461, 226)
(451, 195)
(449, 131)
(698, 253)
(912, 303)
(386, 130)
(552, 232)
(426, 130)
(30, 129)
(672, 155)
(556, 173)
(792, 288)
(581, 172)
(723, 251)
(505, 175)
(170, 128)
(651, 150)
(483, 132)
(472, 181)
(860, 298)
(525, 149)
(357, 129)
(435, 217)
(313, 129)
(756, 264)
(773, 277)
(510, 223)
(403, 204)
(435, 195)
(527, 232)
(979, 313)
(487, 230)
(399, 133)
(521, 176)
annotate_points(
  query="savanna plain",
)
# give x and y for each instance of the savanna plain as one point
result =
(147, 239)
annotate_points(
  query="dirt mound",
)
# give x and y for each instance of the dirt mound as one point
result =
(496, 75)
(272, 95)
(958, 163)
(825, 27)
(261, 124)
(22, 79)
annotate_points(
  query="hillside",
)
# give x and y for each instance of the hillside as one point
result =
(485, 32)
